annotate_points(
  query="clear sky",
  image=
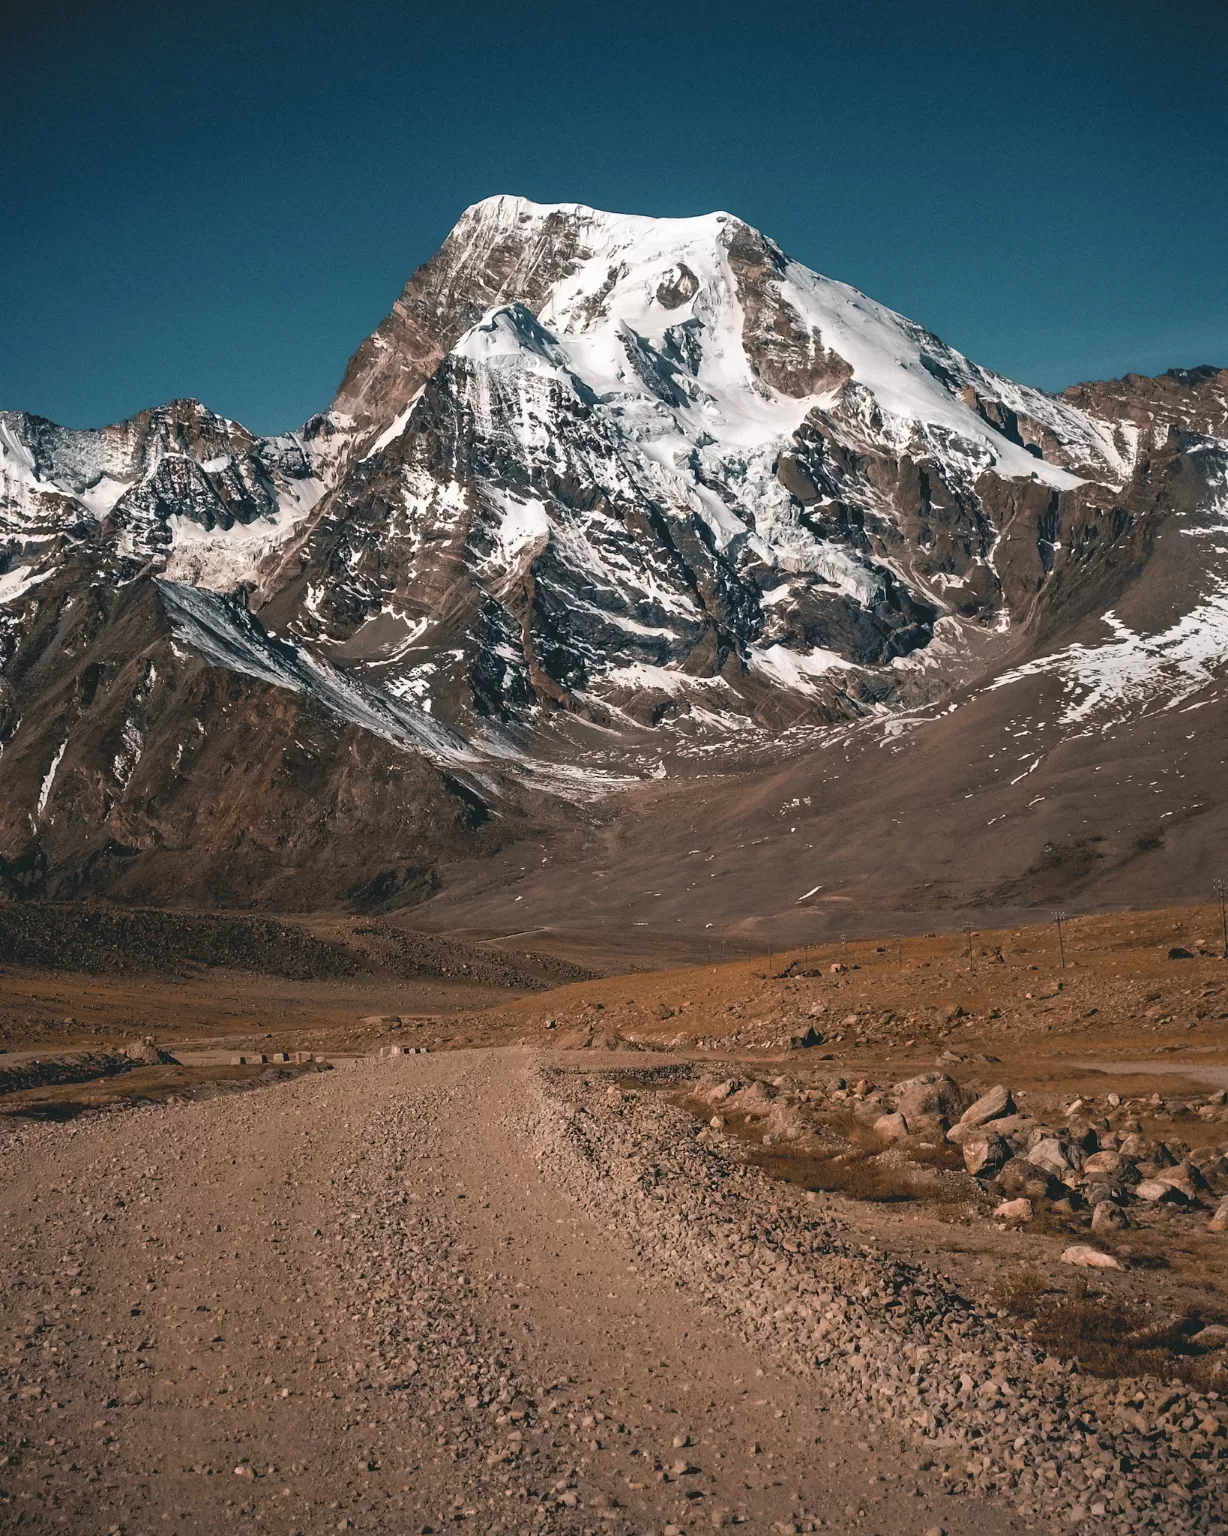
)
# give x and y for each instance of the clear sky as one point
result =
(222, 199)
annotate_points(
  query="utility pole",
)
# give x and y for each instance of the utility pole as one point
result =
(899, 954)
(1223, 920)
(844, 950)
(1059, 918)
(968, 932)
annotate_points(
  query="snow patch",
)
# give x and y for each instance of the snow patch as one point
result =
(16, 583)
(44, 793)
(1131, 670)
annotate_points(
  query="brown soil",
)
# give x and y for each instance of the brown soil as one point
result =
(1120, 1018)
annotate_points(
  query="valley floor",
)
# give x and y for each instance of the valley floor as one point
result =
(480, 1290)
(629, 1255)
(360, 1301)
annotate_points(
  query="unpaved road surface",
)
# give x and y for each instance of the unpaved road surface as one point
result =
(356, 1302)
(368, 1300)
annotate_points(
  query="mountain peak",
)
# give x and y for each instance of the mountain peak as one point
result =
(601, 489)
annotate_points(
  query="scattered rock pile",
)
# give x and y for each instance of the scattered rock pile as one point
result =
(1092, 1165)
(888, 1339)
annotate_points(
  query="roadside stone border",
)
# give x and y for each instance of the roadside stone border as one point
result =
(889, 1340)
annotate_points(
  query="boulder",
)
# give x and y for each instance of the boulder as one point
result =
(1185, 1177)
(932, 1096)
(1090, 1258)
(1219, 1221)
(1014, 1210)
(1184, 1181)
(1102, 1162)
(1214, 1336)
(1082, 1134)
(990, 1106)
(985, 1154)
(1019, 1177)
(1015, 1127)
(1108, 1216)
(147, 1054)
(891, 1127)
(755, 1096)
(1049, 1153)
(722, 1091)
(1160, 1189)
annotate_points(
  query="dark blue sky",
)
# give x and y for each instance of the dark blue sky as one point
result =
(221, 200)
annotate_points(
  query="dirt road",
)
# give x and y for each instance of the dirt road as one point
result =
(357, 1302)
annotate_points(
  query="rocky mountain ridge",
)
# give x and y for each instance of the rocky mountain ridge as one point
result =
(603, 496)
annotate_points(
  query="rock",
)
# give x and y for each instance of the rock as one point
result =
(1014, 1127)
(1213, 1337)
(1014, 1210)
(804, 1042)
(990, 1106)
(1049, 1154)
(722, 1091)
(1102, 1162)
(754, 1095)
(1219, 1222)
(1161, 1189)
(1019, 1177)
(932, 1096)
(1177, 953)
(1183, 1177)
(1090, 1258)
(985, 1154)
(1097, 1192)
(1108, 1216)
(149, 1055)
(891, 1127)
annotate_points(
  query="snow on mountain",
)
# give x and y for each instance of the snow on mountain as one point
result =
(177, 484)
(666, 448)
(602, 490)
(1177, 647)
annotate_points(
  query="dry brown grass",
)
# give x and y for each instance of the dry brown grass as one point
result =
(1107, 1336)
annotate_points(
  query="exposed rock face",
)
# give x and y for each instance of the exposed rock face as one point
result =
(502, 251)
(174, 781)
(649, 478)
(1146, 412)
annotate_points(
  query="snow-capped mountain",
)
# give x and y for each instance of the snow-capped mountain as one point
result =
(602, 494)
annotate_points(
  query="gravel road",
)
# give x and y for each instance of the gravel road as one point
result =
(465, 1292)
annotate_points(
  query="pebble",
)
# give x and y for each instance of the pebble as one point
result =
(893, 1343)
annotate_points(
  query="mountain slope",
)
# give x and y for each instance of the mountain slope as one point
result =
(604, 498)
